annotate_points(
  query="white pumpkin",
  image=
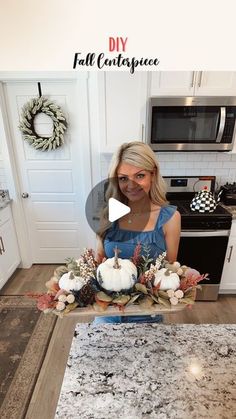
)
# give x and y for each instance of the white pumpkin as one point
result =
(168, 280)
(117, 274)
(69, 282)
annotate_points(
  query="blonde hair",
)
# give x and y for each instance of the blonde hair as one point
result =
(140, 155)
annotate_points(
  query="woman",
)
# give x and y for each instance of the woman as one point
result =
(135, 180)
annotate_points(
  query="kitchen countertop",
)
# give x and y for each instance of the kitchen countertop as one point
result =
(231, 209)
(133, 371)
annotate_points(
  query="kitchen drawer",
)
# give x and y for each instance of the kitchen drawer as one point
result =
(5, 214)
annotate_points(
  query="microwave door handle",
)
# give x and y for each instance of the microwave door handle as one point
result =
(222, 124)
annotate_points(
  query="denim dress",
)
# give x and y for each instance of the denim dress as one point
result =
(126, 241)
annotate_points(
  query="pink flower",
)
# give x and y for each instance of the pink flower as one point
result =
(192, 274)
(136, 258)
(191, 279)
(45, 301)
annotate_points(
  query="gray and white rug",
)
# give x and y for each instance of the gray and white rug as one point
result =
(133, 371)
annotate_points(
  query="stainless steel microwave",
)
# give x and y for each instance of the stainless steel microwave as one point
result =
(191, 123)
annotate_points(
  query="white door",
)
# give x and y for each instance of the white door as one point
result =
(56, 181)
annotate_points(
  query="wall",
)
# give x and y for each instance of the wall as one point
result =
(3, 180)
(221, 165)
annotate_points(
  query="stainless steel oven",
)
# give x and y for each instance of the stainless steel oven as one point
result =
(191, 123)
(204, 236)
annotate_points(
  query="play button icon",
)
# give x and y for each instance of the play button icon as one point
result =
(101, 201)
(116, 209)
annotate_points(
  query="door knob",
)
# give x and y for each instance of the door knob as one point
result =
(25, 195)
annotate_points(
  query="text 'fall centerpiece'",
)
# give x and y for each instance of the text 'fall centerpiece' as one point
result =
(119, 282)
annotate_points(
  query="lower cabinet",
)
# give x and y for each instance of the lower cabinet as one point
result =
(9, 252)
(228, 281)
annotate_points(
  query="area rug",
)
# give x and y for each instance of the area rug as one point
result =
(136, 371)
(24, 338)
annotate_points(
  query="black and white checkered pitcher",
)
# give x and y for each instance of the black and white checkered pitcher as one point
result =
(205, 201)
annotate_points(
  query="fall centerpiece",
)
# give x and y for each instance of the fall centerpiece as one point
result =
(119, 282)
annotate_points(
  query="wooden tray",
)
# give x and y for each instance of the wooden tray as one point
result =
(132, 310)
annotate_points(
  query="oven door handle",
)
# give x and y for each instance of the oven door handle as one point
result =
(222, 124)
(198, 233)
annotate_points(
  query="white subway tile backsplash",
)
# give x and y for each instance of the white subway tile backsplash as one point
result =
(223, 156)
(162, 166)
(221, 165)
(221, 180)
(179, 156)
(192, 172)
(176, 166)
(185, 165)
(207, 171)
(222, 172)
(230, 164)
(232, 175)
(209, 157)
(233, 157)
(164, 157)
(205, 164)
(194, 156)
(179, 172)
(165, 172)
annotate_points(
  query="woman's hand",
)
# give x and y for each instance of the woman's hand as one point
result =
(100, 258)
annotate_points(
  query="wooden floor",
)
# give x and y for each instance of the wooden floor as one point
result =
(44, 400)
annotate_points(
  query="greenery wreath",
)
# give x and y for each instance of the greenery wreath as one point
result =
(30, 110)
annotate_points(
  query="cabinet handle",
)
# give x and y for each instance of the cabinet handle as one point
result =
(193, 77)
(2, 249)
(230, 253)
(200, 79)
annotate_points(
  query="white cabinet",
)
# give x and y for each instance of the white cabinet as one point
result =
(9, 252)
(123, 98)
(172, 83)
(228, 281)
(215, 83)
(193, 83)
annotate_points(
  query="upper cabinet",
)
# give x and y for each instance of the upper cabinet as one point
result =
(123, 98)
(172, 83)
(193, 83)
(215, 83)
